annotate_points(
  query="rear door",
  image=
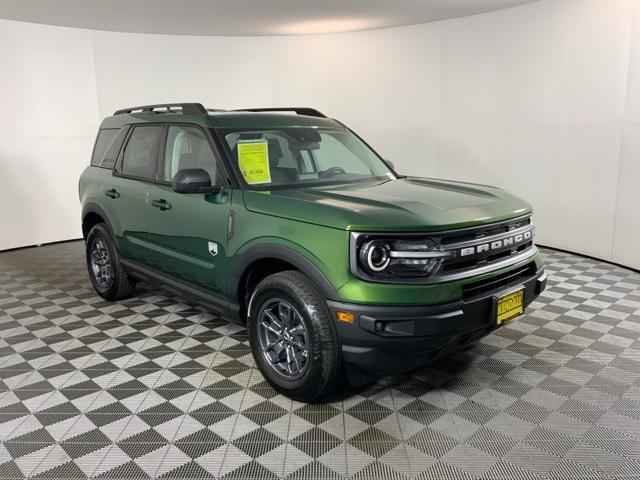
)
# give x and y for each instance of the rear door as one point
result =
(189, 231)
(97, 184)
(129, 190)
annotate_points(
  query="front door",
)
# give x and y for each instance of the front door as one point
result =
(189, 231)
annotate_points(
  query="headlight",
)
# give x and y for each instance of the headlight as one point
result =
(388, 258)
(375, 256)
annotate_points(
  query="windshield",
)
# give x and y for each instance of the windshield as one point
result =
(303, 156)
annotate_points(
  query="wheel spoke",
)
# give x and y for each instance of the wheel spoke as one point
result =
(274, 319)
(264, 324)
(284, 312)
(277, 353)
(288, 350)
(297, 330)
(295, 359)
(271, 345)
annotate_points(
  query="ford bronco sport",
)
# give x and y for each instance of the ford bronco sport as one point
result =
(287, 222)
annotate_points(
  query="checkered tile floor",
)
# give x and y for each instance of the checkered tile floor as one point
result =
(153, 387)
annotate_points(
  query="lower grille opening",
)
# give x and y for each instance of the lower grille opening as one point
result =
(507, 279)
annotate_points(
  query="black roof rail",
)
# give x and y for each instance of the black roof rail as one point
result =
(311, 112)
(187, 108)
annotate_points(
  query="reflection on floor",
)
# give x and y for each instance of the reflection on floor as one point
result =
(152, 387)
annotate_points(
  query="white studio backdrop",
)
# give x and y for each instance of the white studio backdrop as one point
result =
(542, 99)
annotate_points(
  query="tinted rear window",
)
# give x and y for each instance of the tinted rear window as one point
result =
(110, 158)
(108, 144)
(105, 137)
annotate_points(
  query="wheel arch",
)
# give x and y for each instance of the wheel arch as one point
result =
(93, 214)
(267, 259)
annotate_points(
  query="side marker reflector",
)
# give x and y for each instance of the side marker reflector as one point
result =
(346, 317)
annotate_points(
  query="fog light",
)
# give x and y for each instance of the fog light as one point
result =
(345, 317)
(379, 326)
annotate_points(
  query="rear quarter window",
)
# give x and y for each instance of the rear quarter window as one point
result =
(105, 137)
(107, 147)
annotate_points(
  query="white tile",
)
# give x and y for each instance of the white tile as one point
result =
(173, 459)
(212, 461)
(112, 458)
(233, 458)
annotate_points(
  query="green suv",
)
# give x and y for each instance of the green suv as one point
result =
(287, 222)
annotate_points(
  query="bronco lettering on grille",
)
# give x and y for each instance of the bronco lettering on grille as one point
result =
(497, 244)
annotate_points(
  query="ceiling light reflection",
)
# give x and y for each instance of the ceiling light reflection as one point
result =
(336, 25)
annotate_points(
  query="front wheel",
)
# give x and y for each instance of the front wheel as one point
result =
(293, 339)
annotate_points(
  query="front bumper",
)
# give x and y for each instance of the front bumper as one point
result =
(386, 340)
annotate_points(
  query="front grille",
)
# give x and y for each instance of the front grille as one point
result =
(485, 231)
(456, 254)
(478, 238)
(499, 282)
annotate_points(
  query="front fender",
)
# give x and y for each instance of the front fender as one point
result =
(286, 253)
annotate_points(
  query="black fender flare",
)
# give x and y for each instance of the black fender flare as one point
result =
(97, 209)
(279, 252)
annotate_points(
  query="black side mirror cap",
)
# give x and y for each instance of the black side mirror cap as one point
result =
(193, 180)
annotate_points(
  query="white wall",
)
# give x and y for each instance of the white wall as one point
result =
(542, 99)
(48, 119)
(533, 99)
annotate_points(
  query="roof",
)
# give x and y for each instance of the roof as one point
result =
(265, 119)
(196, 113)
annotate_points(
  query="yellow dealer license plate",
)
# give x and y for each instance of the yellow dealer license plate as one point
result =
(509, 306)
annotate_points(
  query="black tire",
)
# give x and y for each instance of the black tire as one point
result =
(323, 365)
(120, 285)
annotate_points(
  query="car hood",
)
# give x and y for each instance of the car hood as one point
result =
(403, 204)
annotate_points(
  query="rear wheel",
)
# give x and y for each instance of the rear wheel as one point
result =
(293, 339)
(105, 270)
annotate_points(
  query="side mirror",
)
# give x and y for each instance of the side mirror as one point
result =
(193, 180)
(389, 164)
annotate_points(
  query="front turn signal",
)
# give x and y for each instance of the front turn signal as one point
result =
(346, 317)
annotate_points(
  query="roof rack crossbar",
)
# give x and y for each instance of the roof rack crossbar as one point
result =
(187, 108)
(311, 112)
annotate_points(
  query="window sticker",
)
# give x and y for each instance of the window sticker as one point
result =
(253, 159)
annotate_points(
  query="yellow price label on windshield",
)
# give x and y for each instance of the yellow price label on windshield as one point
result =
(253, 159)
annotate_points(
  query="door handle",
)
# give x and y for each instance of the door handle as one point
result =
(113, 193)
(162, 204)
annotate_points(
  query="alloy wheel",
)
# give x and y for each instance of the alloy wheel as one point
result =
(101, 263)
(284, 340)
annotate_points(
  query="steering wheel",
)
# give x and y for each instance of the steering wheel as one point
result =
(333, 171)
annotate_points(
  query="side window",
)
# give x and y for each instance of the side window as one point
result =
(111, 156)
(140, 153)
(187, 147)
(105, 137)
